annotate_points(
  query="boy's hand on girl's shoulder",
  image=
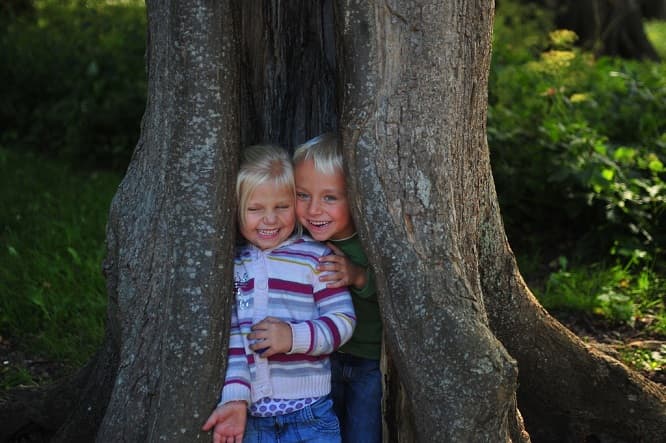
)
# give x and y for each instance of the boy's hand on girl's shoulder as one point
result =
(227, 422)
(340, 270)
(272, 336)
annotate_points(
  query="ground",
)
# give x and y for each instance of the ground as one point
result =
(642, 351)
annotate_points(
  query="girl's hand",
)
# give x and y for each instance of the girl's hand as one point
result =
(272, 336)
(228, 422)
(340, 270)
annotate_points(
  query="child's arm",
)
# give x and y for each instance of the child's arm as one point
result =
(334, 326)
(314, 337)
(227, 421)
(237, 378)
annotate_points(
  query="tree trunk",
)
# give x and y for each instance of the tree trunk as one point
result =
(653, 9)
(410, 86)
(413, 123)
(288, 71)
(170, 230)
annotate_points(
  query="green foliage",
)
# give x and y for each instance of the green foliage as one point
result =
(656, 33)
(577, 144)
(645, 359)
(622, 294)
(74, 80)
(52, 292)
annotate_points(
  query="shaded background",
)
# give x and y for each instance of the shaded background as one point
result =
(576, 129)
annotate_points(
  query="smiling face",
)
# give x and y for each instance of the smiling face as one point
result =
(268, 216)
(321, 203)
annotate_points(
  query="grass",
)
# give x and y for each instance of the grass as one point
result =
(627, 299)
(52, 292)
(619, 293)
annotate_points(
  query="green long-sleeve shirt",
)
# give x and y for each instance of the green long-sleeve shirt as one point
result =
(367, 338)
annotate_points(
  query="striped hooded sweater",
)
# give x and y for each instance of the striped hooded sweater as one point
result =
(283, 282)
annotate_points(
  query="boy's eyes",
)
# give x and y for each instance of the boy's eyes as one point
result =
(326, 198)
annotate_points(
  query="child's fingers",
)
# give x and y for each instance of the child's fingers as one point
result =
(209, 424)
(328, 260)
(336, 284)
(217, 416)
(330, 267)
(335, 249)
(330, 276)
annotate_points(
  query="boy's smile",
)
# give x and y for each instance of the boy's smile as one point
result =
(321, 203)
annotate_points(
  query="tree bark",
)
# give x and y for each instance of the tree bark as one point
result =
(653, 9)
(288, 66)
(413, 125)
(171, 229)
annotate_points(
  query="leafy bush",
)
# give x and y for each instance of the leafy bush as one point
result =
(577, 145)
(74, 80)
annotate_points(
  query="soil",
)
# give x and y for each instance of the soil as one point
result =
(643, 351)
(635, 345)
(30, 370)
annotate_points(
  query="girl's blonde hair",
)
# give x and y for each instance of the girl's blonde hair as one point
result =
(262, 164)
(324, 151)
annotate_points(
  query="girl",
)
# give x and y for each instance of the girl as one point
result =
(284, 321)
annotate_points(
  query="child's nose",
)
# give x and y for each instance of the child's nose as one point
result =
(270, 217)
(313, 207)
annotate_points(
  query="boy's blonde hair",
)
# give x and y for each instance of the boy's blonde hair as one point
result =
(262, 164)
(324, 151)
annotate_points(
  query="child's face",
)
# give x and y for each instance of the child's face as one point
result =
(269, 216)
(321, 203)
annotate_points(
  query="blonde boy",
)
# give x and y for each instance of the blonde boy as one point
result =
(323, 209)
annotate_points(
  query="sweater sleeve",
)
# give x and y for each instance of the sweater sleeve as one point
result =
(331, 329)
(237, 379)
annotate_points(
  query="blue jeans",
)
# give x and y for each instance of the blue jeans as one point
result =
(357, 397)
(315, 423)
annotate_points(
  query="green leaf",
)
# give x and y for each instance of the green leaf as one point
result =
(608, 174)
(656, 166)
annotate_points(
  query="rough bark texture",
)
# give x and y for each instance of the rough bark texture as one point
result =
(288, 66)
(413, 85)
(170, 230)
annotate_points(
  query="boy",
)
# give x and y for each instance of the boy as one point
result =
(323, 209)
